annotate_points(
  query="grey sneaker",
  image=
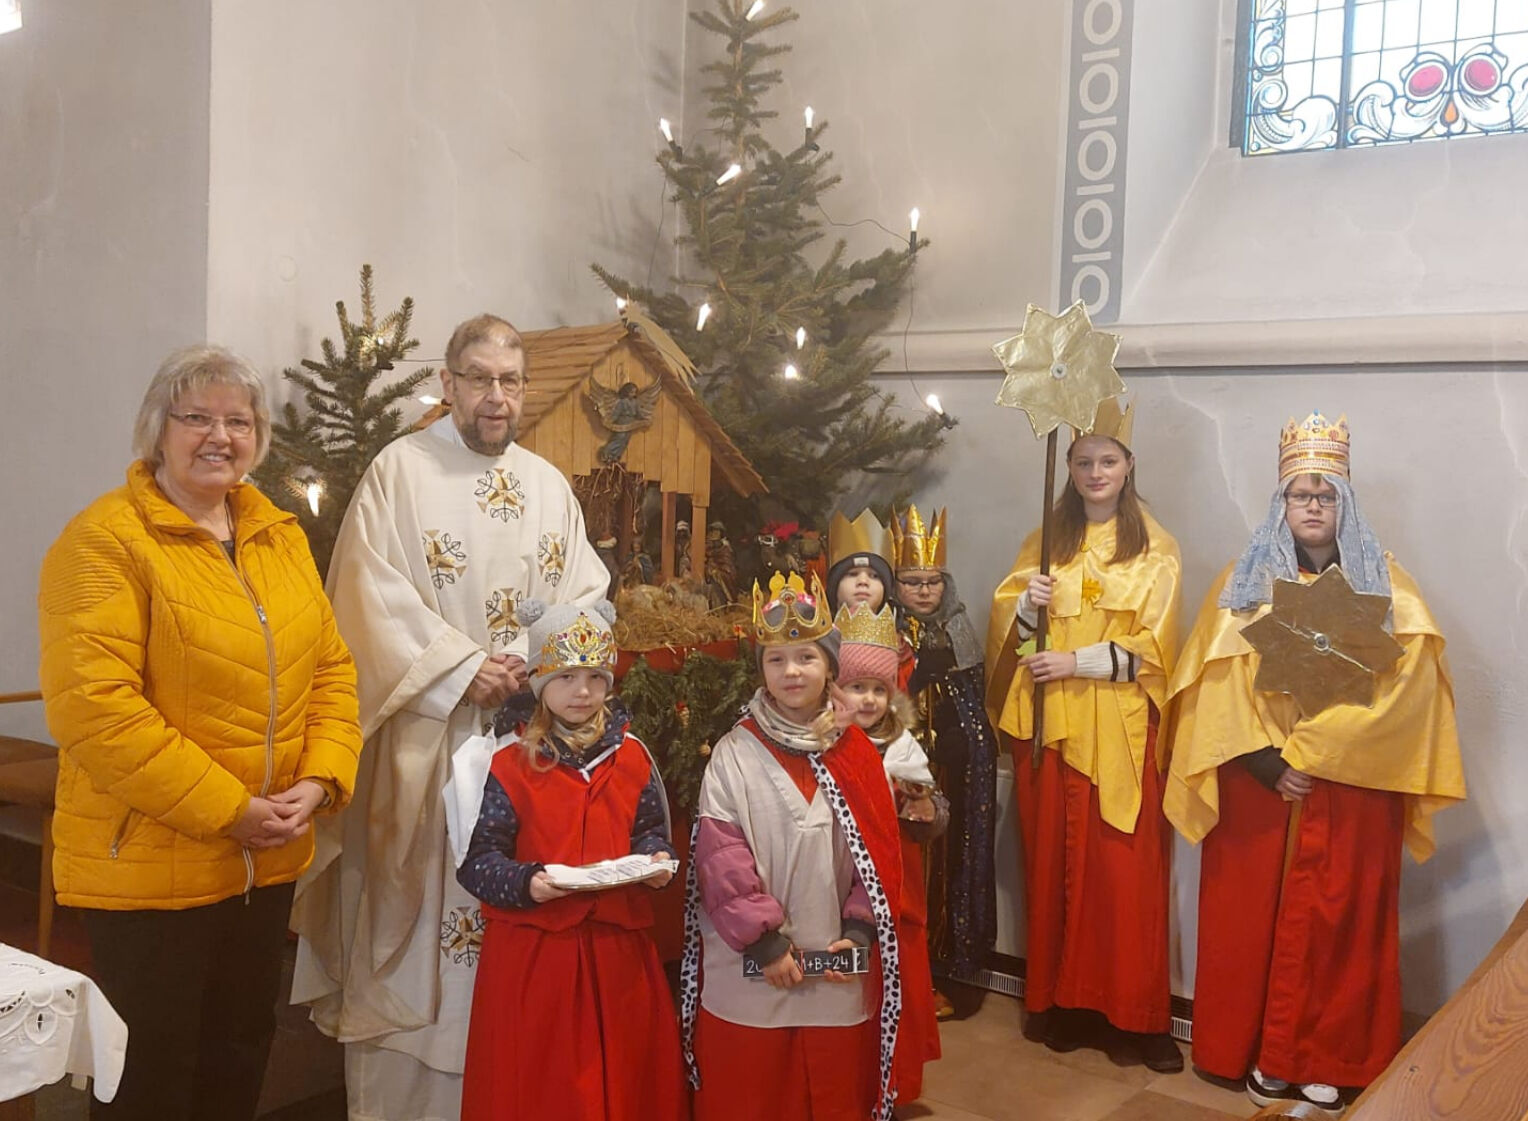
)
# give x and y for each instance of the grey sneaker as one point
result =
(1266, 1091)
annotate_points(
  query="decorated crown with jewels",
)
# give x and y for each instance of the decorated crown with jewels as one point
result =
(914, 544)
(801, 617)
(582, 644)
(1314, 446)
(859, 624)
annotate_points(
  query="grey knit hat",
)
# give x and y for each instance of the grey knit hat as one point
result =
(566, 636)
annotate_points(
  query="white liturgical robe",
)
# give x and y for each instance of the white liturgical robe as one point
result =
(440, 546)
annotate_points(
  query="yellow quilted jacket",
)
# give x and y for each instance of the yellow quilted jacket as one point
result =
(177, 686)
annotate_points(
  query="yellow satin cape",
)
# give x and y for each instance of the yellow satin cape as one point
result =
(1098, 726)
(1406, 742)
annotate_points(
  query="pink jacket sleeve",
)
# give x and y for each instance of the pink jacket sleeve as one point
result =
(730, 888)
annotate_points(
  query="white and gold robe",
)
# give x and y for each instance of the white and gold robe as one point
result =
(439, 547)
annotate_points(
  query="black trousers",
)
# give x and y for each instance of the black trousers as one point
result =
(197, 989)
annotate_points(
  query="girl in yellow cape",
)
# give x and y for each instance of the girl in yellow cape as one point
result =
(1097, 850)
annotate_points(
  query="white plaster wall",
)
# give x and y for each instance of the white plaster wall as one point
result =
(479, 155)
(103, 249)
(1440, 461)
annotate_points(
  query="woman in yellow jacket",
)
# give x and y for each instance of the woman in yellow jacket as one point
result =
(204, 707)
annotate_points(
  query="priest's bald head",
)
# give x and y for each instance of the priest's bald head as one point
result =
(484, 382)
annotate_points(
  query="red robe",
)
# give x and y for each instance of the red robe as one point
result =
(571, 1013)
(1097, 898)
(918, 1035)
(1299, 972)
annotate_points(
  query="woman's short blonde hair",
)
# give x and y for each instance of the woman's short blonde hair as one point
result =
(185, 371)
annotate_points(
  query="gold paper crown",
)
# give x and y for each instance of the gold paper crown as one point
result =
(1315, 446)
(865, 534)
(806, 617)
(866, 627)
(1109, 421)
(914, 545)
(580, 645)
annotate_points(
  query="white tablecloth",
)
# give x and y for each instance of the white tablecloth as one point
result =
(53, 1022)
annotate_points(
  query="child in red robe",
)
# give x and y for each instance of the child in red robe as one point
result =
(867, 671)
(571, 1014)
(796, 850)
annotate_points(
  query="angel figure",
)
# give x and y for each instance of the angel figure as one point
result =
(623, 411)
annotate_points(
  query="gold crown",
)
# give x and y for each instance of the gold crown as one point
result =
(581, 645)
(914, 545)
(806, 617)
(865, 534)
(1109, 421)
(866, 627)
(1315, 446)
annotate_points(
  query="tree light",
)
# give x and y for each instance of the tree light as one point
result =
(808, 115)
(790, 372)
(729, 175)
(426, 399)
(932, 401)
(701, 317)
(663, 127)
(912, 238)
(754, 9)
(800, 337)
(315, 489)
(620, 303)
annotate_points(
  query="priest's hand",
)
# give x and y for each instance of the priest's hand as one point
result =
(542, 890)
(1051, 665)
(495, 681)
(1040, 587)
(1294, 785)
(662, 879)
(785, 971)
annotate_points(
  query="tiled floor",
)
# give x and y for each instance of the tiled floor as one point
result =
(990, 1072)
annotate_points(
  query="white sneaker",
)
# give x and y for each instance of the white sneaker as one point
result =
(1266, 1091)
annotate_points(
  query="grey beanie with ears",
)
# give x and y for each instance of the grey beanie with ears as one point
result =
(566, 636)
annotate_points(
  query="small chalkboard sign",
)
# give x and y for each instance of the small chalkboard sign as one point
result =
(814, 963)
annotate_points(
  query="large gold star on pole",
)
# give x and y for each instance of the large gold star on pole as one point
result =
(1059, 369)
(1323, 643)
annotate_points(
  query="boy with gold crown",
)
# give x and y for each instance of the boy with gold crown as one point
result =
(859, 572)
(1097, 850)
(947, 686)
(1304, 816)
(796, 850)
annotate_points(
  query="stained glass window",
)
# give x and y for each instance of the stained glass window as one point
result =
(1347, 73)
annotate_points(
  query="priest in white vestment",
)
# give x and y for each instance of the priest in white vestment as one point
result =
(448, 531)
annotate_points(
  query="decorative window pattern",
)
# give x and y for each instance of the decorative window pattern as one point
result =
(1348, 73)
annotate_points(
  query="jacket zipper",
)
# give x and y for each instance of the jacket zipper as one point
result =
(121, 834)
(270, 720)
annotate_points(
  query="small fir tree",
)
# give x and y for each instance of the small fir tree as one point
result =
(750, 249)
(346, 421)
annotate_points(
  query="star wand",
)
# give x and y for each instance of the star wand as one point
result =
(1059, 370)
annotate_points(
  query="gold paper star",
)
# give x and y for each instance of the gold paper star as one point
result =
(1059, 369)
(1323, 643)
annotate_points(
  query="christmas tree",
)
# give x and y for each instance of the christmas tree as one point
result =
(318, 456)
(780, 326)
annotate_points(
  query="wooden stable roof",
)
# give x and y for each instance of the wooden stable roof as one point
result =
(558, 360)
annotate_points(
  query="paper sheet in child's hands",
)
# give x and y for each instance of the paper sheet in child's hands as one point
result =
(630, 869)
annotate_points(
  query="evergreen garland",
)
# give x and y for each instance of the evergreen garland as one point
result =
(747, 243)
(680, 715)
(346, 422)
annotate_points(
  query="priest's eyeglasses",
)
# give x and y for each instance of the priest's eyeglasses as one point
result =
(1300, 499)
(512, 384)
(201, 422)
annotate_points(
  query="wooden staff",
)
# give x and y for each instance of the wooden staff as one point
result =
(1042, 615)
